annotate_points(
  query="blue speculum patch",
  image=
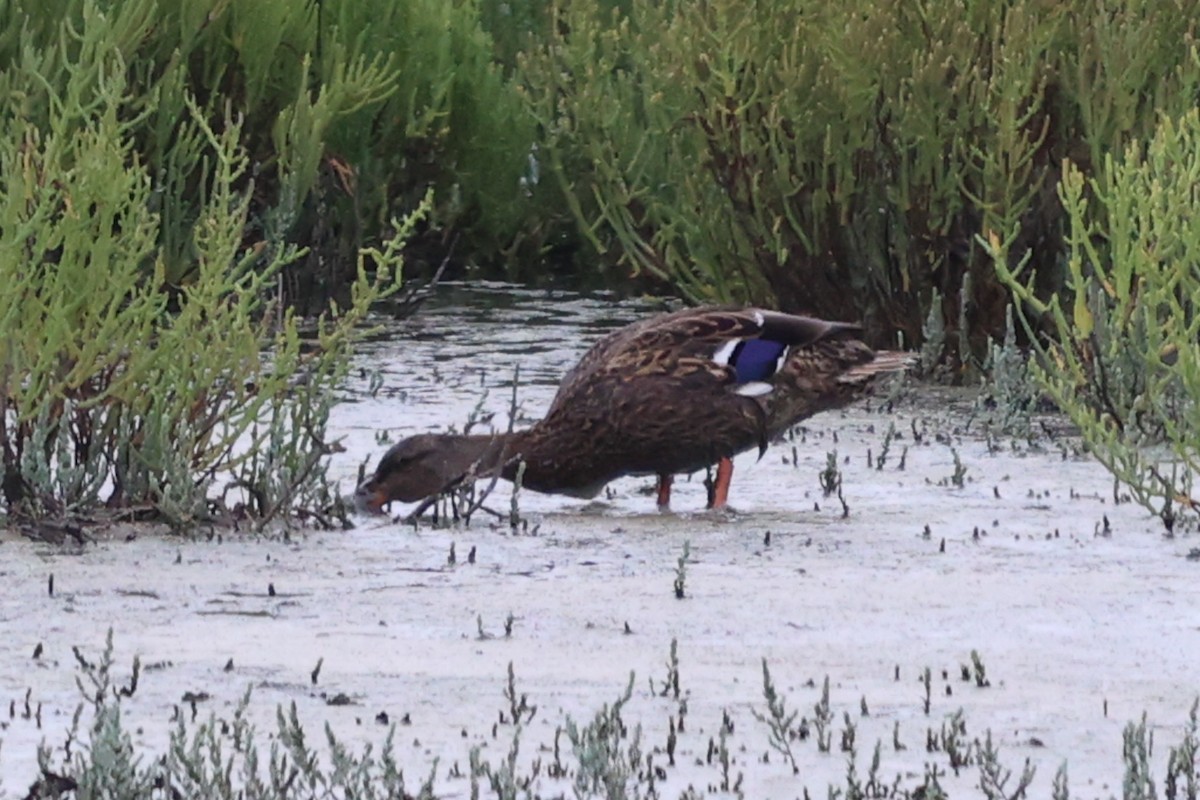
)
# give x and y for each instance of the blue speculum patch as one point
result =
(756, 359)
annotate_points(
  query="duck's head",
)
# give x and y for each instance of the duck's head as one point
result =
(423, 466)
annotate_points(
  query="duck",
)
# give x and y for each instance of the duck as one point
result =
(671, 394)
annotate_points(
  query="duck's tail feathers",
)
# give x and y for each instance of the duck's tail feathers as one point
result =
(885, 361)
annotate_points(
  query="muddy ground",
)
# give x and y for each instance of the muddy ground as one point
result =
(1082, 625)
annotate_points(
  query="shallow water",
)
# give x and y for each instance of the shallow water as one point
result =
(1081, 628)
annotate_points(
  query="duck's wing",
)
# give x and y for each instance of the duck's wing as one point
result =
(739, 347)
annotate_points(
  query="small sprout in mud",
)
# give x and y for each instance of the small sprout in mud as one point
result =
(471, 555)
(50, 586)
(452, 559)
(897, 673)
(681, 570)
(959, 475)
(37, 651)
(927, 533)
(964, 672)
(270, 590)
(514, 508)
(954, 731)
(927, 682)
(874, 787)
(229, 665)
(823, 719)
(980, 672)
(1059, 790)
(1106, 530)
(518, 706)
(178, 556)
(671, 684)
(903, 459)
(848, 734)
(481, 634)
(897, 745)
(127, 691)
(842, 500)
(628, 630)
(778, 719)
(862, 706)
(725, 759)
(316, 673)
(830, 477)
(374, 381)
(83, 663)
(671, 741)
(942, 546)
(767, 539)
(885, 447)
(870, 460)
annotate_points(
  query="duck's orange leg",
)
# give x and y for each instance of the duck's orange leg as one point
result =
(720, 489)
(664, 491)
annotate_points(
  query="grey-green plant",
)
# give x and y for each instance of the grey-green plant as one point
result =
(979, 670)
(1009, 395)
(1060, 789)
(680, 584)
(518, 703)
(823, 719)
(1116, 352)
(608, 753)
(670, 686)
(1182, 779)
(959, 475)
(197, 402)
(994, 778)
(506, 779)
(218, 757)
(830, 478)
(952, 741)
(1137, 747)
(226, 755)
(778, 719)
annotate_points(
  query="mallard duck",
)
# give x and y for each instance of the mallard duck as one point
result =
(670, 394)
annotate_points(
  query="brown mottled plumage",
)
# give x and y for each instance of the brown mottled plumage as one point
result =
(658, 397)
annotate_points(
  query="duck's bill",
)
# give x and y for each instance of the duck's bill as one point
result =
(369, 500)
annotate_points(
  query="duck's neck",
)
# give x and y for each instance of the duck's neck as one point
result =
(485, 453)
